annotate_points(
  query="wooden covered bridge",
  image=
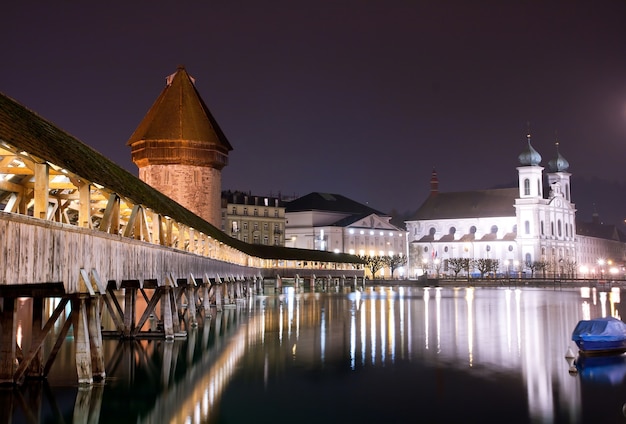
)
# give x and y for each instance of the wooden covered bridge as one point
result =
(76, 227)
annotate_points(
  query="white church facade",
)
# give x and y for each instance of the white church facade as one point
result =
(519, 227)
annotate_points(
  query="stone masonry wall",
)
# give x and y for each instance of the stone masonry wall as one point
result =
(196, 188)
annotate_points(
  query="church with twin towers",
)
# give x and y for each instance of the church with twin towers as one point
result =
(530, 229)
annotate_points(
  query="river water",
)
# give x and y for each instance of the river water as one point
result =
(383, 354)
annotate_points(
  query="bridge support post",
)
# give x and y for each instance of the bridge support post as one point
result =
(312, 282)
(206, 290)
(81, 340)
(278, 286)
(190, 293)
(8, 342)
(166, 308)
(296, 282)
(218, 294)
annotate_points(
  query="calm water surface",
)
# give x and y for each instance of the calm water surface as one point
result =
(396, 354)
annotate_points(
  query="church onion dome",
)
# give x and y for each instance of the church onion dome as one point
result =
(559, 163)
(529, 157)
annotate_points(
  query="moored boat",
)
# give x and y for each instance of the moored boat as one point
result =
(600, 336)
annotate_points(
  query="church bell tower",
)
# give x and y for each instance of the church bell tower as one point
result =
(180, 149)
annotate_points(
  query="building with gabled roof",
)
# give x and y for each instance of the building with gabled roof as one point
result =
(332, 222)
(180, 149)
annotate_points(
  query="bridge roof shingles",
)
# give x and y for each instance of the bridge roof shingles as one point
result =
(27, 131)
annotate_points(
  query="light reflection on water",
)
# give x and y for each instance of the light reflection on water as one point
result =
(385, 354)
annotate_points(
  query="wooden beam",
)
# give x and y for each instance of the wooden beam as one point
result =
(42, 179)
(84, 206)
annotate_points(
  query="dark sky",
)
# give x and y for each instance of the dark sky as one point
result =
(361, 98)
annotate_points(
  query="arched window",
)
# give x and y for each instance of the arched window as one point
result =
(552, 228)
(473, 229)
(542, 232)
(452, 230)
(567, 192)
(527, 227)
(488, 248)
(528, 258)
(526, 187)
(494, 229)
(432, 231)
(558, 226)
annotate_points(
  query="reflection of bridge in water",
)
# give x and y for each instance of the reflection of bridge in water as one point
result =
(183, 381)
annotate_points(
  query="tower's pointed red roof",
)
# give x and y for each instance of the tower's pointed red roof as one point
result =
(179, 115)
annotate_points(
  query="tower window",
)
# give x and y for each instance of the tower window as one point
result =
(526, 187)
(527, 227)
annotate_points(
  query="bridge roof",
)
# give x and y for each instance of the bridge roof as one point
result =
(25, 130)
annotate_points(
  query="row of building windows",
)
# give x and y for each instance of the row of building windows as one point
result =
(257, 239)
(255, 212)
(255, 226)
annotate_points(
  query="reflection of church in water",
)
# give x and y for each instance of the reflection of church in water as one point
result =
(532, 223)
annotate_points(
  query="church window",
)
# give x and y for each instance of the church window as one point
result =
(488, 248)
(432, 231)
(452, 230)
(473, 229)
(542, 232)
(538, 187)
(543, 251)
(494, 229)
(567, 192)
(558, 226)
(552, 228)
(425, 249)
(515, 229)
(445, 249)
(510, 247)
(528, 258)
(526, 187)
(527, 227)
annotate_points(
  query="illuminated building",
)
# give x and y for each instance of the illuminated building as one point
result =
(530, 229)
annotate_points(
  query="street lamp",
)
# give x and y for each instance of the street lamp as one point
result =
(601, 263)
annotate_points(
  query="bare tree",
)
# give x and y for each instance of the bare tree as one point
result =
(457, 265)
(394, 262)
(537, 266)
(374, 263)
(486, 266)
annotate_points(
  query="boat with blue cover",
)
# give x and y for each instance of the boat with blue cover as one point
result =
(600, 336)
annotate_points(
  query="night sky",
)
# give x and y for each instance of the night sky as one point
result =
(357, 97)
